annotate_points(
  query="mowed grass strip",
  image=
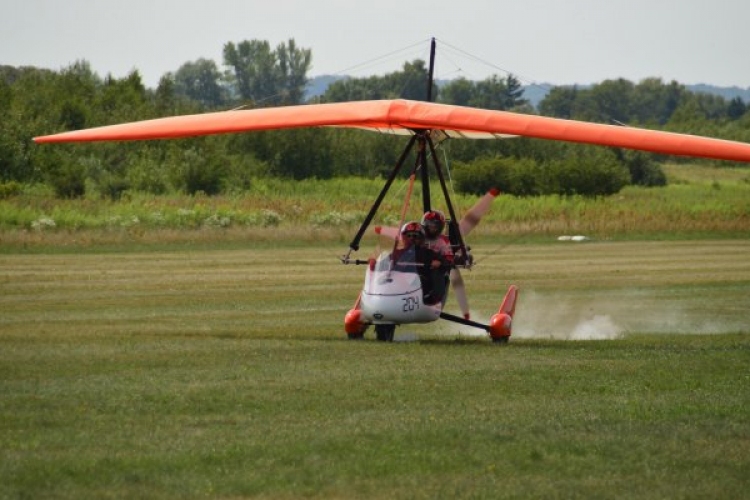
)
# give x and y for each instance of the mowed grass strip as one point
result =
(226, 373)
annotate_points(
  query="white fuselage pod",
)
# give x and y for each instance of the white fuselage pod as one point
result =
(393, 293)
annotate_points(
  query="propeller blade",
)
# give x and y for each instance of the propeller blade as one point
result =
(457, 282)
(387, 231)
(475, 213)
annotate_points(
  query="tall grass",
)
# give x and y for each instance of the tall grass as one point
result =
(699, 200)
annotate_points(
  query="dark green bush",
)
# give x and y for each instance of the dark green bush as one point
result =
(580, 171)
(193, 170)
(10, 188)
(644, 171)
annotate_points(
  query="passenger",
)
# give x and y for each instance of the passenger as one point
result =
(433, 224)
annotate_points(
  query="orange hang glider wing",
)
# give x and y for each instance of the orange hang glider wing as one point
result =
(404, 117)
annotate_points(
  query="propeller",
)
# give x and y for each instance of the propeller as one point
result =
(475, 213)
(457, 282)
(387, 231)
(468, 222)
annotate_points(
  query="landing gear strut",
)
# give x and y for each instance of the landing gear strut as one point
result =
(384, 333)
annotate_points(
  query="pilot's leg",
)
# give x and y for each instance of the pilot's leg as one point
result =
(428, 293)
(438, 280)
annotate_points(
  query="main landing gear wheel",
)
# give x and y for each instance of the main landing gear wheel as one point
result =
(500, 340)
(384, 333)
(358, 335)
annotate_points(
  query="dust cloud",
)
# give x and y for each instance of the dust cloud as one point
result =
(587, 315)
(611, 315)
(555, 317)
(597, 327)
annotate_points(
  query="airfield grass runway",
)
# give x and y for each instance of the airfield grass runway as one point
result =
(200, 371)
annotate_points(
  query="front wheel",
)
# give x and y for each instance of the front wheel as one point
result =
(384, 333)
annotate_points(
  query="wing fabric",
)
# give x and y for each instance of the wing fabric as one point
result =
(363, 114)
(403, 116)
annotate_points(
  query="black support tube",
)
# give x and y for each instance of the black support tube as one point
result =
(449, 204)
(354, 245)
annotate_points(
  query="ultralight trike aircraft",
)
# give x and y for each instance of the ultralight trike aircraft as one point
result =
(394, 292)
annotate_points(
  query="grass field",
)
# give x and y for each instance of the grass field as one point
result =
(193, 371)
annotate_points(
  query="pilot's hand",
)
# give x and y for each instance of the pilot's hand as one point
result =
(435, 264)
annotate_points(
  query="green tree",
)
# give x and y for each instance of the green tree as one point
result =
(493, 92)
(252, 65)
(122, 100)
(165, 98)
(200, 81)
(459, 92)
(608, 102)
(699, 114)
(354, 89)
(408, 83)
(490, 93)
(649, 102)
(560, 102)
(268, 77)
(293, 65)
(736, 108)
(654, 102)
(514, 93)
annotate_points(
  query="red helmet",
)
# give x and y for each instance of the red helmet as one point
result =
(412, 230)
(433, 223)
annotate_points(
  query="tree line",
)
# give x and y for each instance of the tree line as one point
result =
(36, 101)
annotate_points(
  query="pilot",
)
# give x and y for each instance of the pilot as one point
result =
(432, 266)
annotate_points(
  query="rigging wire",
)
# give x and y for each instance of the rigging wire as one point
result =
(383, 58)
(480, 60)
(531, 82)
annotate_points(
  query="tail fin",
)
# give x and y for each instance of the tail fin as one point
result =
(501, 322)
(509, 302)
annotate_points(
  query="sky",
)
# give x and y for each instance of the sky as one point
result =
(539, 41)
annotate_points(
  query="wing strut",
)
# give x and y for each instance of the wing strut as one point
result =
(422, 162)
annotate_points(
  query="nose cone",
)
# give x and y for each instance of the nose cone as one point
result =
(353, 322)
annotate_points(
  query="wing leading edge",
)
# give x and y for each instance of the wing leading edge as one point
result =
(405, 117)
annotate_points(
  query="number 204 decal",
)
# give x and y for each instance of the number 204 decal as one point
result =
(410, 304)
